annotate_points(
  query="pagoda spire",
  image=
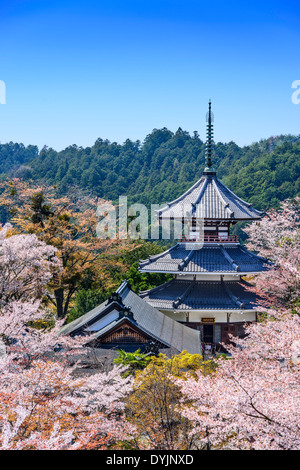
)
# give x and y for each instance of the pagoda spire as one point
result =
(209, 136)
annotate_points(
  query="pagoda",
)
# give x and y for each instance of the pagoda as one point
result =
(208, 291)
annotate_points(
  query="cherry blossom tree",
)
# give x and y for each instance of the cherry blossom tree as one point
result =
(46, 406)
(253, 399)
(69, 223)
(277, 238)
(46, 399)
(26, 265)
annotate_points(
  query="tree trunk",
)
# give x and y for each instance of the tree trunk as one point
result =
(67, 302)
(59, 297)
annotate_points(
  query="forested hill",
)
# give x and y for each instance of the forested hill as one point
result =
(163, 167)
(14, 159)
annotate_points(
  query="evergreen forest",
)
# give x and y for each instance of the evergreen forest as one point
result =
(162, 167)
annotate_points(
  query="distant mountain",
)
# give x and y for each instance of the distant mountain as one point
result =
(163, 167)
(14, 159)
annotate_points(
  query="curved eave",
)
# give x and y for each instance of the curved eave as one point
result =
(201, 273)
(241, 311)
(180, 295)
(199, 183)
(230, 206)
(227, 219)
(206, 259)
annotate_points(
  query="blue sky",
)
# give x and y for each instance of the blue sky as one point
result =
(78, 70)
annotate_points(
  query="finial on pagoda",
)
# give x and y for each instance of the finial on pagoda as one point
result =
(209, 139)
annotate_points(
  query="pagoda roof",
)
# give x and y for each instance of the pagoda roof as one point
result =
(125, 304)
(197, 258)
(201, 295)
(209, 199)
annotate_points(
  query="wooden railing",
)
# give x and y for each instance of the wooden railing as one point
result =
(212, 239)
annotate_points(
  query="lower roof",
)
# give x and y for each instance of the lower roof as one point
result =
(143, 316)
(194, 258)
(201, 295)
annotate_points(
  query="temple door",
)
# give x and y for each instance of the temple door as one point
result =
(228, 330)
(208, 333)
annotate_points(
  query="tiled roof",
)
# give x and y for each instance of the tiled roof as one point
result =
(207, 199)
(207, 258)
(147, 318)
(201, 295)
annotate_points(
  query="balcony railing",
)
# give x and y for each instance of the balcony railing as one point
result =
(212, 239)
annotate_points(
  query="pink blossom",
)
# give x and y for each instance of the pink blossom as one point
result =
(253, 399)
(26, 264)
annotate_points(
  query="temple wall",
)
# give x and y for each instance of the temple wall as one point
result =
(208, 277)
(218, 316)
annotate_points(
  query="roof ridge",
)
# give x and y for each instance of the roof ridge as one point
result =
(200, 195)
(155, 289)
(125, 284)
(244, 249)
(247, 204)
(236, 300)
(169, 204)
(228, 257)
(226, 204)
(179, 299)
(186, 260)
(159, 255)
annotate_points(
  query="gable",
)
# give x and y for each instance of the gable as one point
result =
(125, 332)
(147, 325)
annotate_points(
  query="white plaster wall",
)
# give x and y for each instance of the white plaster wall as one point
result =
(209, 277)
(219, 316)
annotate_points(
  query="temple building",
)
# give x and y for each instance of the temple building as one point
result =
(125, 321)
(208, 291)
(208, 298)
